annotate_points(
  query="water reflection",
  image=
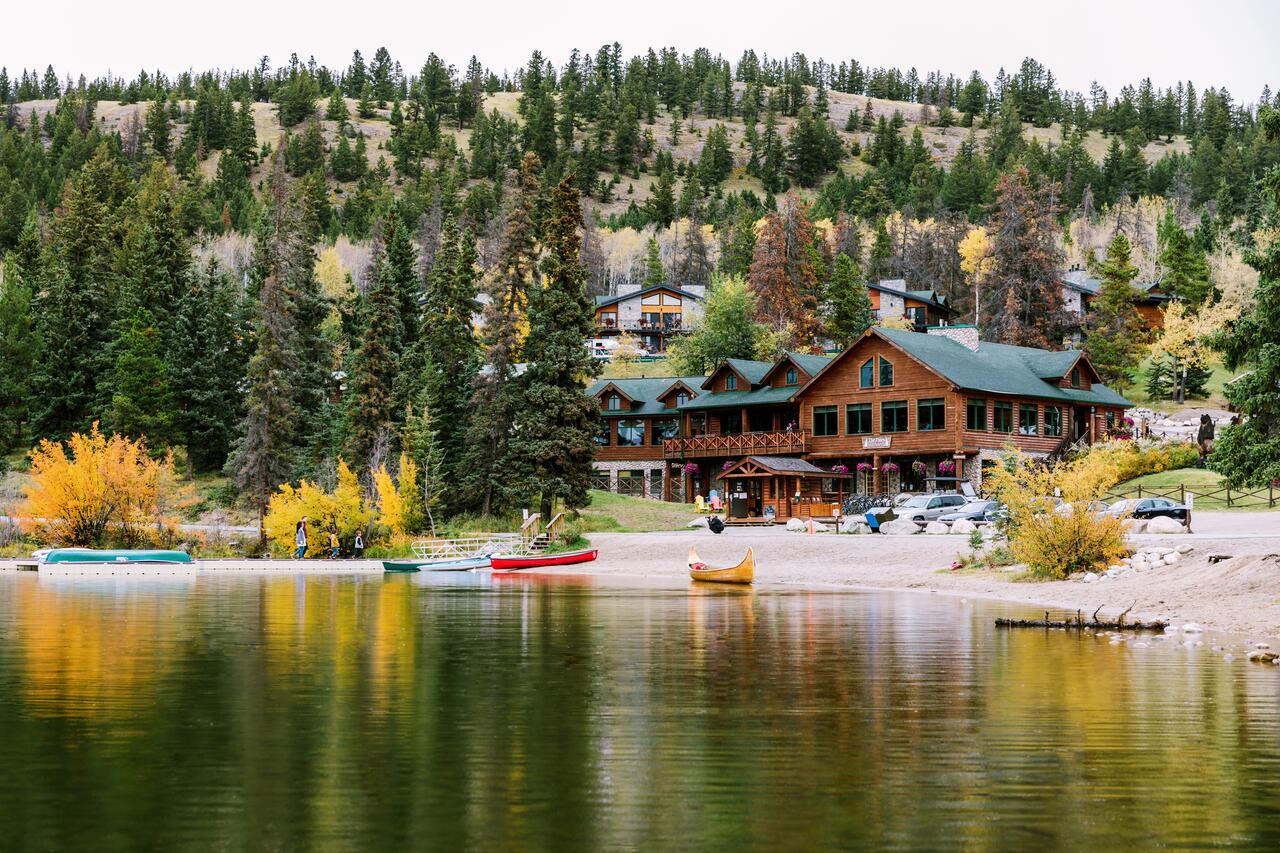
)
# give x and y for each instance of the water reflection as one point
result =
(441, 710)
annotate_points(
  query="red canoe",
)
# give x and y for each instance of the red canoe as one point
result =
(511, 563)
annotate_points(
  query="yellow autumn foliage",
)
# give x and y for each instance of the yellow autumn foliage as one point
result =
(399, 502)
(344, 508)
(95, 490)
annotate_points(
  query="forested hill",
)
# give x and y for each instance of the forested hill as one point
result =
(127, 206)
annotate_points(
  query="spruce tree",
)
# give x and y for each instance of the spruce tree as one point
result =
(157, 128)
(849, 303)
(1186, 270)
(1115, 337)
(556, 424)
(142, 403)
(337, 109)
(654, 274)
(17, 352)
(371, 407)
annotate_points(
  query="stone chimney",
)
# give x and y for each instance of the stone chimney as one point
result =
(965, 336)
(898, 284)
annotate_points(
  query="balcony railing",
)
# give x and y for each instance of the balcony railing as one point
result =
(744, 444)
(641, 326)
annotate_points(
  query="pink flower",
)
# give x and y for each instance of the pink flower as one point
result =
(840, 469)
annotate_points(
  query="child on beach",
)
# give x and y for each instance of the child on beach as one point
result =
(334, 545)
(300, 538)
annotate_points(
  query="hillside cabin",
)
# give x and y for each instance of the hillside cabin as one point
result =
(653, 314)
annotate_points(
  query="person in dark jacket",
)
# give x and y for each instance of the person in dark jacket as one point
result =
(1204, 438)
(300, 538)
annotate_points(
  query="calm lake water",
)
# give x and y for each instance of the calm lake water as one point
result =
(450, 711)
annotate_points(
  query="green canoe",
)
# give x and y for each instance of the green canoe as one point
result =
(70, 556)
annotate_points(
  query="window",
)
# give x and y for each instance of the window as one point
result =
(1028, 419)
(886, 372)
(602, 434)
(1052, 420)
(631, 432)
(730, 382)
(652, 319)
(682, 397)
(655, 483)
(698, 423)
(893, 416)
(614, 403)
(931, 414)
(664, 428)
(1075, 377)
(791, 376)
(976, 415)
(824, 421)
(867, 374)
(731, 423)
(1002, 416)
(857, 418)
(608, 319)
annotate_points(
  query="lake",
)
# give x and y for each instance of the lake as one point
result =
(451, 711)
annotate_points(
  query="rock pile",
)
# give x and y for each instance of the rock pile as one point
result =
(1146, 560)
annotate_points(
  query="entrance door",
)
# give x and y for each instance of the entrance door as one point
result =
(755, 504)
(1079, 422)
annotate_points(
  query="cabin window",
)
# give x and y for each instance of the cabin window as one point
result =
(608, 319)
(931, 414)
(867, 374)
(663, 429)
(602, 434)
(791, 376)
(976, 415)
(615, 403)
(886, 372)
(730, 382)
(893, 416)
(824, 421)
(731, 423)
(1028, 419)
(857, 418)
(1002, 416)
(1111, 421)
(631, 432)
(1075, 377)
(682, 397)
(698, 424)
(1052, 420)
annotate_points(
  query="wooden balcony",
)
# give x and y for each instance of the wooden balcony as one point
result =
(744, 444)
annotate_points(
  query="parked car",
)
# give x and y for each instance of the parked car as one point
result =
(1151, 508)
(924, 508)
(971, 511)
(1092, 506)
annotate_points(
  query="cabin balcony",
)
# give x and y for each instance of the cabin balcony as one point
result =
(671, 327)
(740, 444)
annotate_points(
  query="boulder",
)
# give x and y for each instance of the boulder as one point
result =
(819, 527)
(1192, 628)
(937, 528)
(1090, 577)
(1135, 525)
(854, 525)
(1263, 656)
(1183, 549)
(899, 527)
(1170, 559)
(963, 526)
(1165, 526)
(795, 525)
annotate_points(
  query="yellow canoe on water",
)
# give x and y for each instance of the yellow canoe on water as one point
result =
(744, 572)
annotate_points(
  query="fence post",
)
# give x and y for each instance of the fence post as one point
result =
(1182, 493)
(1228, 496)
(1139, 490)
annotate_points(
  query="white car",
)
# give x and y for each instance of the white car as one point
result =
(925, 508)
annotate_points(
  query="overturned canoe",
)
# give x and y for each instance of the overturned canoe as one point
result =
(85, 556)
(460, 565)
(514, 562)
(744, 572)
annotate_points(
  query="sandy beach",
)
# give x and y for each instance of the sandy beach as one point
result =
(1238, 595)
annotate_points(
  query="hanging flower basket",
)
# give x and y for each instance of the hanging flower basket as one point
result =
(919, 467)
(726, 466)
(865, 467)
(946, 469)
(890, 468)
(840, 469)
(691, 468)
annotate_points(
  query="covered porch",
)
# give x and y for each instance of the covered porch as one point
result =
(773, 489)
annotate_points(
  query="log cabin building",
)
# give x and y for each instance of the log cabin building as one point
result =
(653, 314)
(1079, 290)
(896, 411)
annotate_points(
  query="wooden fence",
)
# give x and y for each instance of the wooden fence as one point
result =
(1267, 497)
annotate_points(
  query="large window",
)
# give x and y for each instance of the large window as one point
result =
(867, 374)
(730, 381)
(731, 423)
(631, 432)
(1052, 420)
(1075, 377)
(857, 418)
(976, 415)
(602, 434)
(614, 403)
(825, 421)
(1028, 419)
(893, 416)
(664, 428)
(886, 372)
(931, 414)
(1002, 416)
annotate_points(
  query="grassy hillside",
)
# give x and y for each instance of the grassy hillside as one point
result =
(1199, 481)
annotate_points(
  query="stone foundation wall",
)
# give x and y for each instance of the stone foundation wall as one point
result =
(651, 490)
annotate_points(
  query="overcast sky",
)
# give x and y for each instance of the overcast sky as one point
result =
(1235, 43)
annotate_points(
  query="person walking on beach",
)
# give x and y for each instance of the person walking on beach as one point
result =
(300, 538)
(358, 548)
(334, 544)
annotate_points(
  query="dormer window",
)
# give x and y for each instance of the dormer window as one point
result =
(682, 397)
(791, 376)
(614, 403)
(1075, 377)
(730, 382)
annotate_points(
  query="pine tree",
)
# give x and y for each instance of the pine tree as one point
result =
(662, 202)
(654, 274)
(738, 244)
(849, 311)
(1186, 269)
(693, 265)
(17, 352)
(1115, 338)
(402, 258)
(142, 404)
(157, 128)
(371, 407)
(337, 109)
(553, 441)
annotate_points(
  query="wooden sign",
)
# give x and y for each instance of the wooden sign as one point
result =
(875, 442)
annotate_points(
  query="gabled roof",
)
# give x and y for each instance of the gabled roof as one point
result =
(1082, 282)
(929, 297)
(646, 391)
(752, 371)
(767, 395)
(692, 389)
(602, 301)
(789, 465)
(807, 362)
(611, 385)
(993, 368)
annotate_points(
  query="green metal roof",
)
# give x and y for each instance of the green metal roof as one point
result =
(809, 362)
(604, 300)
(999, 368)
(645, 392)
(730, 399)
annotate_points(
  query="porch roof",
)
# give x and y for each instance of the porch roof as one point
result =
(770, 466)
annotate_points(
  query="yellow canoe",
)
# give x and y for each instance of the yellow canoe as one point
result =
(744, 572)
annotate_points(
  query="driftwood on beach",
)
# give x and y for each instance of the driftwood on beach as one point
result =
(1081, 624)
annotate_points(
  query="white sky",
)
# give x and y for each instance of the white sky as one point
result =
(1235, 43)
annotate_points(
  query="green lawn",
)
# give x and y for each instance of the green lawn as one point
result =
(1216, 399)
(1198, 481)
(617, 513)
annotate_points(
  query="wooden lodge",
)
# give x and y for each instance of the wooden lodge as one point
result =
(897, 411)
(653, 314)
